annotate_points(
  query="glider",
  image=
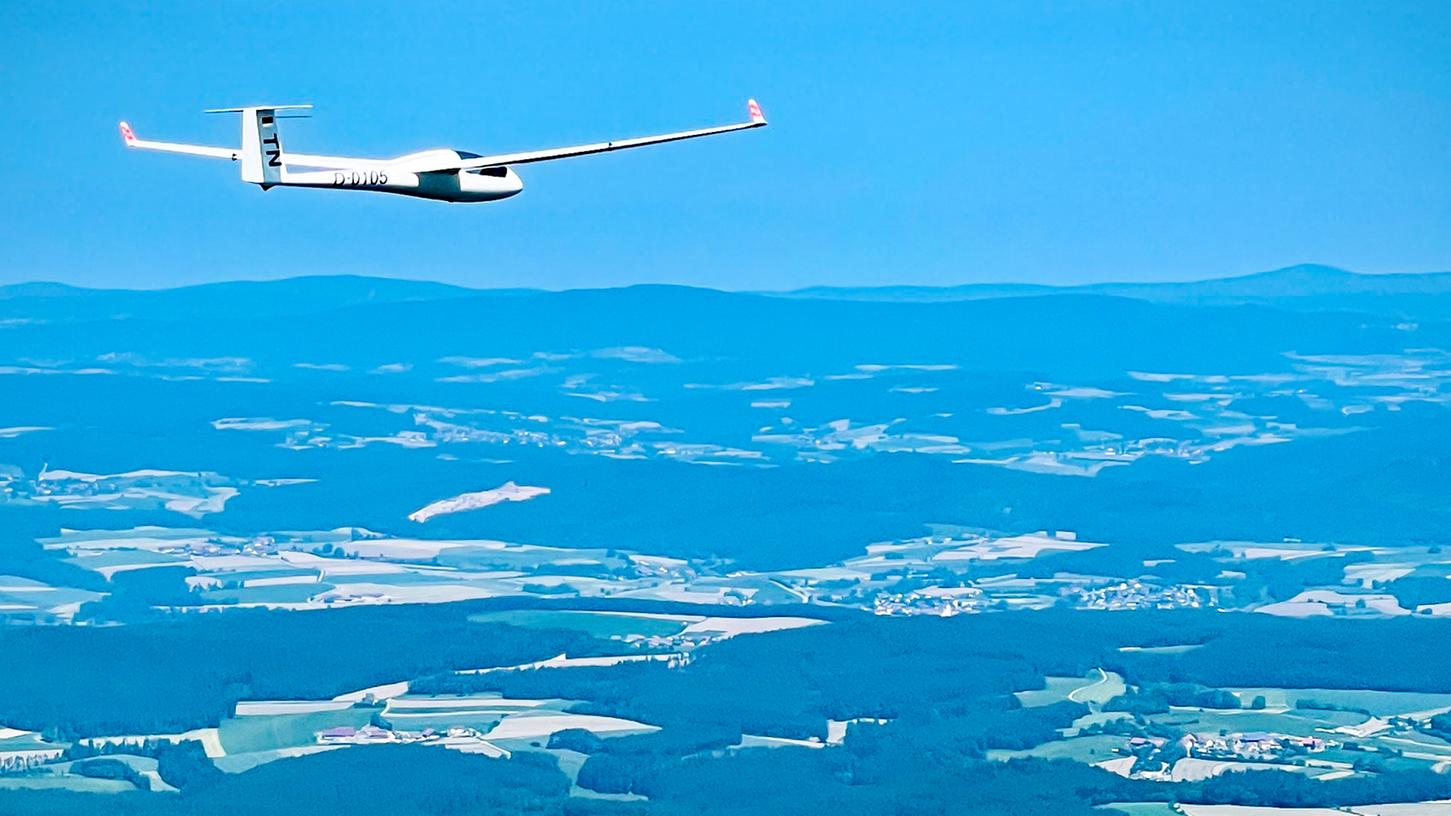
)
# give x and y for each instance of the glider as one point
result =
(440, 174)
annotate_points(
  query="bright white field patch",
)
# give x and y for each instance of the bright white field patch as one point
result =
(405, 549)
(1326, 601)
(1245, 810)
(563, 662)
(1440, 807)
(753, 741)
(402, 705)
(1023, 546)
(383, 692)
(748, 626)
(16, 430)
(412, 593)
(259, 424)
(543, 725)
(508, 491)
(1122, 766)
(254, 708)
(1191, 769)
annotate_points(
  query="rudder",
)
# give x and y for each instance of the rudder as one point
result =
(261, 154)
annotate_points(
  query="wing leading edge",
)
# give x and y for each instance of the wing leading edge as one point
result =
(757, 119)
(172, 147)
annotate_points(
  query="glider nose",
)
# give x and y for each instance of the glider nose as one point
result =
(513, 184)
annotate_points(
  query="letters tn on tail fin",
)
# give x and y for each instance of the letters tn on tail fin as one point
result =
(261, 145)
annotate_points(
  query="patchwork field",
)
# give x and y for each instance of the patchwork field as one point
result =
(596, 624)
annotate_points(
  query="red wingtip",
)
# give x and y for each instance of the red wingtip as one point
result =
(127, 134)
(755, 110)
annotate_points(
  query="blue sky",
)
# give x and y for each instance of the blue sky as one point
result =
(927, 143)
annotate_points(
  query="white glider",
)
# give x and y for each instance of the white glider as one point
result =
(441, 174)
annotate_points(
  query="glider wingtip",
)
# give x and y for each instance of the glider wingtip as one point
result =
(754, 108)
(127, 135)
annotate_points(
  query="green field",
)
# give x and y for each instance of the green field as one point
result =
(442, 721)
(242, 735)
(1093, 688)
(1087, 750)
(1099, 691)
(1055, 690)
(80, 784)
(1378, 703)
(1142, 808)
(123, 558)
(1168, 650)
(277, 593)
(1300, 724)
(26, 742)
(595, 624)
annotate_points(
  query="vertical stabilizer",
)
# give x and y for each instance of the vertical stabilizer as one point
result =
(261, 144)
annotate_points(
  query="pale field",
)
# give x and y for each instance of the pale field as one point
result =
(1121, 766)
(208, 737)
(676, 592)
(237, 763)
(257, 708)
(1440, 807)
(383, 692)
(1179, 649)
(753, 741)
(749, 626)
(471, 745)
(125, 542)
(1048, 406)
(1108, 686)
(543, 725)
(657, 560)
(259, 424)
(826, 574)
(1191, 769)
(283, 580)
(507, 492)
(71, 783)
(1247, 810)
(1055, 690)
(401, 705)
(219, 563)
(1315, 602)
(563, 662)
(1378, 703)
(402, 548)
(419, 593)
(1022, 546)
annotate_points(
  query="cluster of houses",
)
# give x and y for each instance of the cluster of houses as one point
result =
(1136, 594)
(958, 601)
(1253, 745)
(466, 740)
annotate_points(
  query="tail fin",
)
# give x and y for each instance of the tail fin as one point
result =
(261, 144)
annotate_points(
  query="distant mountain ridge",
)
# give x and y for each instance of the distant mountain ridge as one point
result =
(1302, 280)
(1305, 287)
(59, 302)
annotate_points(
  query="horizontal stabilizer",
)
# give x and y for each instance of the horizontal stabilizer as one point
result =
(258, 108)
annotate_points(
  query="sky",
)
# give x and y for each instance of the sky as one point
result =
(921, 143)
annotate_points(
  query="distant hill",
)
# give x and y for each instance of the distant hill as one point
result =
(58, 302)
(1306, 287)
